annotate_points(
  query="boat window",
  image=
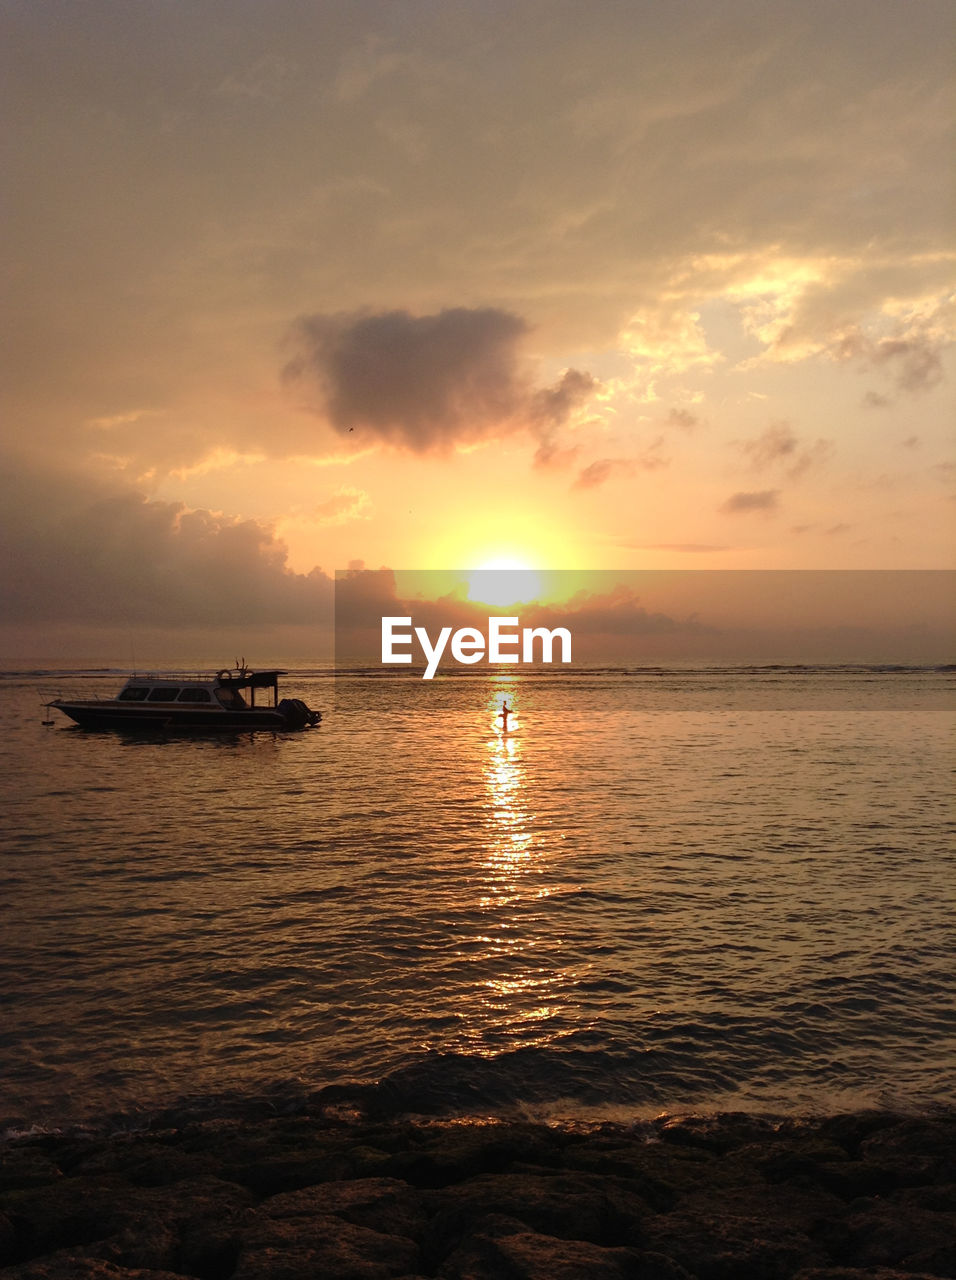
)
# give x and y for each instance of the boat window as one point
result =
(195, 695)
(230, 698)
(136, 693)
(164, 695)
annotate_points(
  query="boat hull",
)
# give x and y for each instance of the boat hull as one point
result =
(139, 718)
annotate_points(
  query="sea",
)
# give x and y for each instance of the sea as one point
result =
(662, 890)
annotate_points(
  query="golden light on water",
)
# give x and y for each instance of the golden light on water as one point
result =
(521, 995)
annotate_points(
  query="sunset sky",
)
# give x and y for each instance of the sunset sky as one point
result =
(627, 285)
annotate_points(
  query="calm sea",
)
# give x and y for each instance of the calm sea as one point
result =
(662, 891)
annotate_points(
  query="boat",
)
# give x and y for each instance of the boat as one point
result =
(196, 704)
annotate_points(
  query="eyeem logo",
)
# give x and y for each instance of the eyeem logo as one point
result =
(469, 645)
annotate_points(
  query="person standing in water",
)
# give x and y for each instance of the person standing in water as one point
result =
(503, 715)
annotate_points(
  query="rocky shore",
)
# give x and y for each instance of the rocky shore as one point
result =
(334, 1195)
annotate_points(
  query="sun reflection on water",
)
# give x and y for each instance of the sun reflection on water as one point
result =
(518, 993)
(510, 824)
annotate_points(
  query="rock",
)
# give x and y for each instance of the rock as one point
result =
(695, 1198)
(8, 1241)
(380, 1204)
(284, 1155)
(70, 1266)
(530, 1256)
(719, 1133)
(306, 1246)
(159, 1228)
(146, 1164)
(915, 1151)
(739, 1238)
(891, 1233)
(27, 1167)
(782, 1160)
(855, 1273)
(445, 1154)
(570, 1206)
(851, 1130)
(637, 1161)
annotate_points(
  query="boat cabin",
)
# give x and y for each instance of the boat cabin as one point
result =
(223, 691)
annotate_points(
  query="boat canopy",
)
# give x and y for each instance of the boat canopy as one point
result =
(251, 679)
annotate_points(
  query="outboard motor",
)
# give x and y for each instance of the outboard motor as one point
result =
(297, 715)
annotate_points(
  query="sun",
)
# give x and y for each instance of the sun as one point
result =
(503, 582)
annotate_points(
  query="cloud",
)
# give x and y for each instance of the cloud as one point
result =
(553, 406)
(873, 400)
(76, 550)
(779, 444)
(344, 505)
(426, 383)
(913, 360)
(599, 472)
(741, 503)
(553, 454)
(682, 418)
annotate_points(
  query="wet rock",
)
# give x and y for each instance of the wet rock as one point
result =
(577, 1206)
(146, 1164)
(787, 1160)
(651, 1173)
(8, 1241)
(855, 1273)
(161, 1228)
(891, 1233)
(740, 1237)
(940, 1199)
(851, 1130)
(69, 1266)
(719, 1133)
(446, 1154)
(531, 1256)
(717, 1198)
(914, 1151)
(380, 1204)
(303, 1246)
(287, 1155)
(27, 1167)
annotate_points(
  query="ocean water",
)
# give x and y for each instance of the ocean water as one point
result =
(667, 890)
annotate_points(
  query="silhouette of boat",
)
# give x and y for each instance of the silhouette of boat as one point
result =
(197, 704)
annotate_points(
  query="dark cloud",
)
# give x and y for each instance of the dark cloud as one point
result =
(778, 441)
(552, 454)
(550, 409)
(780, 445)
(873, 400)
(553, 406)
(682, 418)
(79, 551)
(598, 472)
(764, 500)
(425, 383)
(913, 361)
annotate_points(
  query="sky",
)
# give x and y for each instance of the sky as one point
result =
(291, 287)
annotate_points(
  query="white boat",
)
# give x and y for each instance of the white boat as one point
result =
(196, 704)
